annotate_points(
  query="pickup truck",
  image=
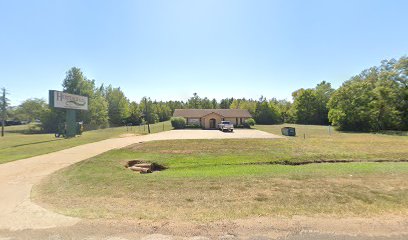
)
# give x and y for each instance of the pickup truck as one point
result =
(226, 126)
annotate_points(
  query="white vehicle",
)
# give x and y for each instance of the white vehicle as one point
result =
(226, 126)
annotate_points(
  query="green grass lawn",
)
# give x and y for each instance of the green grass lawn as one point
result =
(238, 178)
(18, 143)
(314, 142)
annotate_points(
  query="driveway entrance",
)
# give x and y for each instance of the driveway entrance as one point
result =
(17, 212)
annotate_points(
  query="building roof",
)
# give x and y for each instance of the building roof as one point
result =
(197, 113)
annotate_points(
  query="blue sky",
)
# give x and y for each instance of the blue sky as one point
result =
(171, 49)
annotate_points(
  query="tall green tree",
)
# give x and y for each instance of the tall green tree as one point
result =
(162, 110)
(305, 107)
(214, 104)
(118, 105)
(374, 100)
(349, 105)
(400, 76)
(226, 103)
(98, 110)
(206, 103)
(284, 110)
(75, 82)
(135, 114)
(236, 104)
(4, 101)
(249, 105)
(323, 92)
(176, 105)
(266, 113)
(147, 108)
(31, 109)
(310, 105)
(194, 102)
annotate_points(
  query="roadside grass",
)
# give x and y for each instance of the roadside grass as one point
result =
(19, 143)
(315, 142)
(210, 180)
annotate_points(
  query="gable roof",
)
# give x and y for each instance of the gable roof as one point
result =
(197, 113)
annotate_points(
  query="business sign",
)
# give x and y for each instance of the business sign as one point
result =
(69, 101)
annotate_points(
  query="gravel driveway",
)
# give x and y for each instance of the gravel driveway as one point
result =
(209, 134)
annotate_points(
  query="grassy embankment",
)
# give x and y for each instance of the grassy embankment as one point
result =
(228, 179)
(18, 143)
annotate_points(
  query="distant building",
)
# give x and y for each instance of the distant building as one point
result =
(210, 118)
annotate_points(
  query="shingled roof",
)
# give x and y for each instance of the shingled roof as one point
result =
(197, 113)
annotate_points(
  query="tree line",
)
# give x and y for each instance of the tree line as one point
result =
(374, 100)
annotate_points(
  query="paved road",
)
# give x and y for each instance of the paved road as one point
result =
(89, 235)
(17, 212)
(318, 236)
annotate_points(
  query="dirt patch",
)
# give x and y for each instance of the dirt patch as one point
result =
(135, 146)
(292, 163)
(386, 227)
(176, 151)
(144, 164)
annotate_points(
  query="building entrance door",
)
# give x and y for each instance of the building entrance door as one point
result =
(212, 123)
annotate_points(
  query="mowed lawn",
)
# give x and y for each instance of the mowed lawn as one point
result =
(18, 143)
(210, 180)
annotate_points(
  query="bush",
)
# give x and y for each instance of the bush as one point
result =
(193, 126)
(50, 120)
(249, 122)
(178, 122)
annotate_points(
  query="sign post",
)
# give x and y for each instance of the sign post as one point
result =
(70, 120)
(71, 103)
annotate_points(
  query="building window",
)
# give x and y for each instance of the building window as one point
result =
(193, 121)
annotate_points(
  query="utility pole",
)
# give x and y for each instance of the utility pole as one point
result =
(3, 110)
(146, 114)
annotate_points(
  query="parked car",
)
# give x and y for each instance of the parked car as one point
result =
(12, 122)
(226, 126)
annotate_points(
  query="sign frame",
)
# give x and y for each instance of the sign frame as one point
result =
(58, 99)
(71, 103)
